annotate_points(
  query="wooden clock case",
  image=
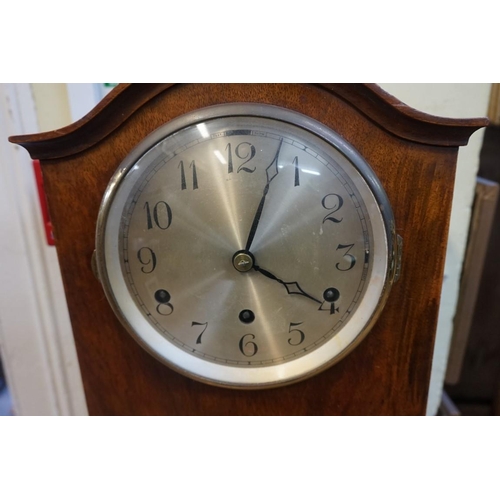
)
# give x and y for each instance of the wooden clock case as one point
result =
(413, 154)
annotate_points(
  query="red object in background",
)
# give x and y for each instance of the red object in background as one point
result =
(43, 203)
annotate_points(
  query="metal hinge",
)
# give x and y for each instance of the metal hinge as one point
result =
(397, 254)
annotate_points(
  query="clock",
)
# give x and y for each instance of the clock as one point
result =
(246, 245)
(245, 238)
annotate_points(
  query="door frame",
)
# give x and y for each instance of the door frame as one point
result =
(36, 339)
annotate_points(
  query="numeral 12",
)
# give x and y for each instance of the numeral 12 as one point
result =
(244, 151)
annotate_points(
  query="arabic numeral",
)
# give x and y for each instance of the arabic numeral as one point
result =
(247, 347)
(147, 258)
(192, 166)
(162, 215)
(350, 259)
(244, 151)
(298, 338)
(195, 323)
(165, 309)
(334, 203)
(295, 163)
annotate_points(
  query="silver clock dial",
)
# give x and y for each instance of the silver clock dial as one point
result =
(245, 246)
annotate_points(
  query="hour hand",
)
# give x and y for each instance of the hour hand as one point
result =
(292, 287)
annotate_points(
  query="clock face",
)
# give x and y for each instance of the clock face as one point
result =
(245, 245)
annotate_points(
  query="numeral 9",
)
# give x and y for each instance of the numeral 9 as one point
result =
(147, 258)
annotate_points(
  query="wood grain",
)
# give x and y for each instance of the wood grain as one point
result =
(388, 374)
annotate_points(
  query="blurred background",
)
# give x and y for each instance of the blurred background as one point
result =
(39, 373)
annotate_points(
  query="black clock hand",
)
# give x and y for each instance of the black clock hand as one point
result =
(271, 172)
(292, 287)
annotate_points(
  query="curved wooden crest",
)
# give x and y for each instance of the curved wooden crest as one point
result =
(385, 110)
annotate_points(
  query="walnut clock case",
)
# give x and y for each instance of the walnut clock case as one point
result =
(237, 249)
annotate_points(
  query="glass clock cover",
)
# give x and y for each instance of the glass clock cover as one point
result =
(246, 245)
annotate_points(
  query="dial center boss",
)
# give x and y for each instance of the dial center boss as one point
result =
(243, 261)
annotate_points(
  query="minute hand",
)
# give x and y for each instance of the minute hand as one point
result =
(292, 287)
(271, 172)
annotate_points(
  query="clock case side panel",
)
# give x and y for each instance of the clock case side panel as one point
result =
(387, 374)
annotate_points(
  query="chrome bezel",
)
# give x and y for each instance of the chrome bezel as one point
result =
(231, 376)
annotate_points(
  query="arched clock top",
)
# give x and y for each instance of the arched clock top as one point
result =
(404, 121)
(371, 101)
(252, 229)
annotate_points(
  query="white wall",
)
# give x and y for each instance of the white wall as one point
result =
(58, 105)
(52, 105)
